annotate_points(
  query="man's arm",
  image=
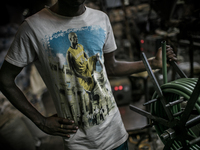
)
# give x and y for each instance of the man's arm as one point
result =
(50, 125)
(125, 68)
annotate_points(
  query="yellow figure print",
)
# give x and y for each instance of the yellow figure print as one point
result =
(79, 62)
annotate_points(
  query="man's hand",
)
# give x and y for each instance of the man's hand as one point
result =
(157, 61)
(51, 125)
(170, 54)
(58, 126)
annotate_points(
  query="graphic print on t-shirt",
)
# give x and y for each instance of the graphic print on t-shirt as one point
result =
(76, 61)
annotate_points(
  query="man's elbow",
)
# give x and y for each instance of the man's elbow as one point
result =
(111, 70)
(5, 83)
(2, 83)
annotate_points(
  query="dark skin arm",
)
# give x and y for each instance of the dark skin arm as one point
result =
(50, 125)
(124, 68)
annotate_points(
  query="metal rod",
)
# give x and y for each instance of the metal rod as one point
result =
(164, 62)
(151, 75)
(178, 113)
(191, 103)
(150, 102)
(150, 116)
(196, 140)
(193, 122)
(175, 102)
(156, 85)
(178, 70)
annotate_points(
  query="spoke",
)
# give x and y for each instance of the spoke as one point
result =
(156, 86)
(178, 70)
(190, 104)
(184, 144)
(168, 145)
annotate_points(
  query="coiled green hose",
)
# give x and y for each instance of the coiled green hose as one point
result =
(173, 91)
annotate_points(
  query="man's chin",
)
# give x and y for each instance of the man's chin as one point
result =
(76, 4)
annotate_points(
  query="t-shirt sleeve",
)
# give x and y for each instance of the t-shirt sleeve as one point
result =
(21, 51)
(110, 44)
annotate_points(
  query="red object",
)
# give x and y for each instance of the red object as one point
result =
(116, 88)
(120, 87)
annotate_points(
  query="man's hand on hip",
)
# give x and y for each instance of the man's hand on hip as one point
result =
(58, 126)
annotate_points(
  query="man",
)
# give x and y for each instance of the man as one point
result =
(17, 132)
(41, 40)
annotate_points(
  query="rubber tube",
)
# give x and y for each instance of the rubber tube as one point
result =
(172, 91)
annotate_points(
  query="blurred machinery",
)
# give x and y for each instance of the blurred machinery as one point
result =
(122, 90)
(174, 108)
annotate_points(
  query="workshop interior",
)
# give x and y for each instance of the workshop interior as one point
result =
(160, 108)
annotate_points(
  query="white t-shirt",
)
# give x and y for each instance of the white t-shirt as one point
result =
(68, 53)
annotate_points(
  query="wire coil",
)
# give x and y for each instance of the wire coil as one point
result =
(173, 91)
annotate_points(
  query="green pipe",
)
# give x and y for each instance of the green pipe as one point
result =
(186, 85)
(164, 62)
(172, 91)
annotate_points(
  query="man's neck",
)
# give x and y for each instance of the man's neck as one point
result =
(61, 8)
(74, 46)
